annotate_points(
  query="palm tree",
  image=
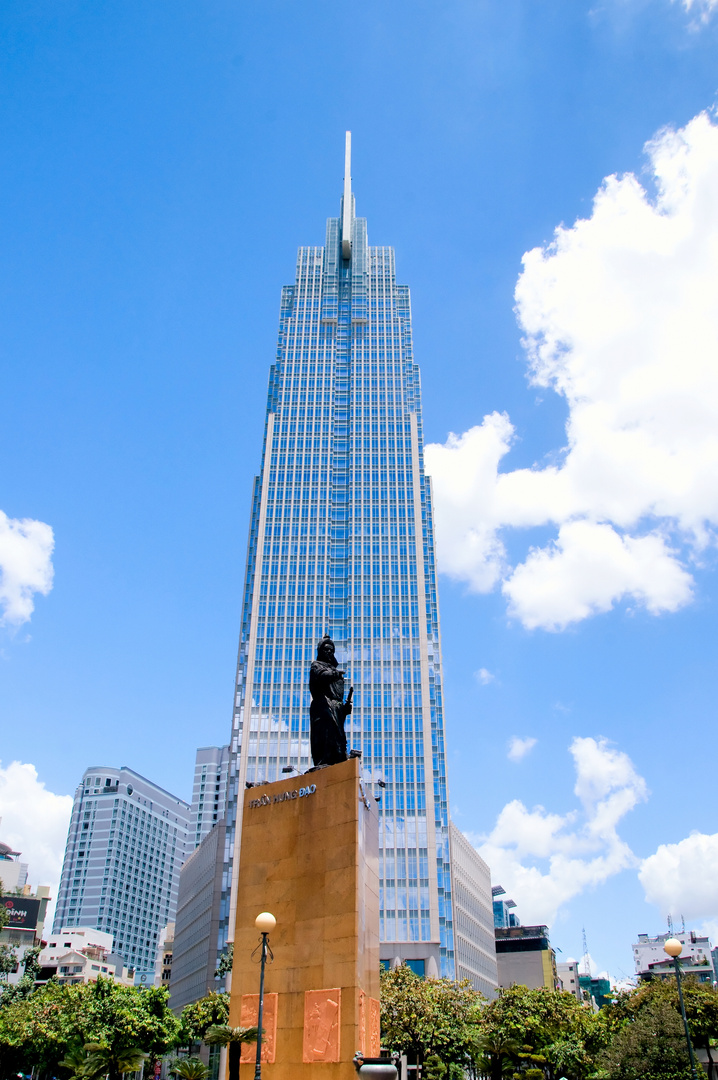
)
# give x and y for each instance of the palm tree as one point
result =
(494, 1050)
(233, 1037)
(103, 1060)
(190, 1069)
(74, 1061)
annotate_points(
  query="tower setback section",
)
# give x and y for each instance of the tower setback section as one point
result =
(342, 543)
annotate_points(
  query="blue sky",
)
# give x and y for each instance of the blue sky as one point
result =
(160, 165)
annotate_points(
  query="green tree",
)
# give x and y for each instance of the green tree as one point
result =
(495, 1052)
(434, 1068)
(554, 1031)
(650, 1045)
(190, 1068)
(425, 1017)
(569, 1056)
(40, 1029)
(224, 964)
(3, 910)
(74, 1061)
(701, 1001)
(231, 1037)
(200, 1015)
(8, 960)
(104, 1059)
(30, 964)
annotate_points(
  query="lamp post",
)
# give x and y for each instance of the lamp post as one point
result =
(265, 923)
(674, 948)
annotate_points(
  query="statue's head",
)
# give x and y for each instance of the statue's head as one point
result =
(325, 650)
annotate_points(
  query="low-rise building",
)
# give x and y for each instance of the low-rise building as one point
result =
(648, 951)
(524, 957)
(665, 969)
(80, 954)
(597, 991)
(569, 978)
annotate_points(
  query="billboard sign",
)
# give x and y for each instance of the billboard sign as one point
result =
(22, 912)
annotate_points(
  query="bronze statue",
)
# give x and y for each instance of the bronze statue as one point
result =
(328, 709)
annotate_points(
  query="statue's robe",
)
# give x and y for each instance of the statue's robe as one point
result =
(327, 714)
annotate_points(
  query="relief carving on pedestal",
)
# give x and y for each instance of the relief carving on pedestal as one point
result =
(374, 1028)
(248, 1018)
(322, 1019)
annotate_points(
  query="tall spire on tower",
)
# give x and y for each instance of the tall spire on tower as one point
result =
(347, 204)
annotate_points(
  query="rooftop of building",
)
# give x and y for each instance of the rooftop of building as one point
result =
(138, 776)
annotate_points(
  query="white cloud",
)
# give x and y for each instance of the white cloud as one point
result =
(484, 676)
(519, 748)
(682, 878)
(34, 821)
(704, 8)
(544, 859)
(587, 569)
(25, 566)
(619, 317)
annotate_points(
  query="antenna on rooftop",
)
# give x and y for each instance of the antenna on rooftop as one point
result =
(683, 924)
(670, 924)
(586, 957)
(347, 203)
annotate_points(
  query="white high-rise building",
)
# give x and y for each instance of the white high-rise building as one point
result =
(126, 843)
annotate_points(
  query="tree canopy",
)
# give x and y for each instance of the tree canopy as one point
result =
(203, 1014)
(42, 1028)
(545, 1033)
(425, 1017)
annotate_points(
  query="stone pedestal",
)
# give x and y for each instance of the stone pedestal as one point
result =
(309, 854)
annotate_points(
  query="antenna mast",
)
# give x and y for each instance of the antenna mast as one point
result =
(347, 204)
(586, 957)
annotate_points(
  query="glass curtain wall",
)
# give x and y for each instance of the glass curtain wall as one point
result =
(341, 542)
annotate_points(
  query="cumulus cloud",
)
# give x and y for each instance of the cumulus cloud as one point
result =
(545, 859)
(34, 821)
(25, 566)
(619, 317)
(682, 878)
(484, 676)
(519, 748)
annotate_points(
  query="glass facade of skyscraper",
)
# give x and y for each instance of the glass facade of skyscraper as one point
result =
(342, 542)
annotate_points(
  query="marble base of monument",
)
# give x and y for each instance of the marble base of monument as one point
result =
(309, 855)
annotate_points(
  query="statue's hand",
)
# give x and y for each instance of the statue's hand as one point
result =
(347, 708)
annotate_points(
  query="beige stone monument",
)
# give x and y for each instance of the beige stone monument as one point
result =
(309, 854)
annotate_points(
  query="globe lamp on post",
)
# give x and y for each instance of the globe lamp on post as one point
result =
(674, 948)
(265, 923)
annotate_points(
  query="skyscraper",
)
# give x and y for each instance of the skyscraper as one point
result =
(125, 846)
(342, 541)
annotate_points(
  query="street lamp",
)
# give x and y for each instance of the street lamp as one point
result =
(674, 948)
(265, 923)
